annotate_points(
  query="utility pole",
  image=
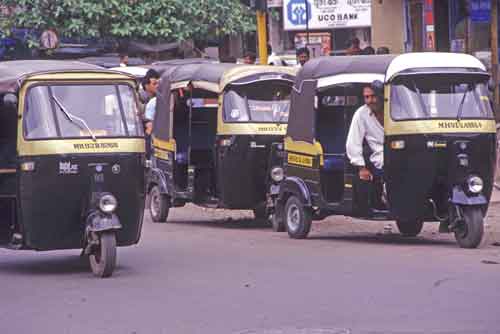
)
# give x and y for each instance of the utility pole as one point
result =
(262, 36)
(494, 49)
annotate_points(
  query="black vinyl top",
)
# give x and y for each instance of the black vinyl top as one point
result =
(164, 65)
(209, 72)
(13, 73)
(203, 71)
(328, 66)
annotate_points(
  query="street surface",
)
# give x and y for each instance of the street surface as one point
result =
(219, 272)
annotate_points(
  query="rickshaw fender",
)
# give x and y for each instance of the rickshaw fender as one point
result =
(460, 197)
(157, 177)
(295, 186)
(100, 222)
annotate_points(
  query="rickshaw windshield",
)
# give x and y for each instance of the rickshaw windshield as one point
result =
(80, 111)
(260, 102)
(440, 96)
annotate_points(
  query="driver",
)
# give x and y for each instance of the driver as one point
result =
(367, 126)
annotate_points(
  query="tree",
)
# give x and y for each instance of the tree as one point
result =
(150, 20)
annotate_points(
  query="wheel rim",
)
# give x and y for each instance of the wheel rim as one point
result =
(155, 202)
(293, 217)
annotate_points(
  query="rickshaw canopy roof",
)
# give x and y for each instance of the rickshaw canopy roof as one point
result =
(14, 73)
(323, 72)
(213, 77)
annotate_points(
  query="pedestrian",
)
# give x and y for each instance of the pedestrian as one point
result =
(353, 48)
(249, 58)
(123, 59)
(149, 86)
(303, 56)
(383, 50)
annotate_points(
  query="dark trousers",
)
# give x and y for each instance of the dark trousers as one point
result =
(368, 194)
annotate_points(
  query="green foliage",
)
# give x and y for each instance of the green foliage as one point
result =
(173, 20)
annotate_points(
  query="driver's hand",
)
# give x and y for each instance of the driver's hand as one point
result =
(365, 174)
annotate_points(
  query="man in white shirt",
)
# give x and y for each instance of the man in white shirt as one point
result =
(367, 125)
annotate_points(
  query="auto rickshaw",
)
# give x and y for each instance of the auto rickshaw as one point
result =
(439, 145)
(72, 173)
(214, 128)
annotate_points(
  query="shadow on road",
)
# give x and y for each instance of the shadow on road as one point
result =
(389, 239)
(225, 223)
(55, 265)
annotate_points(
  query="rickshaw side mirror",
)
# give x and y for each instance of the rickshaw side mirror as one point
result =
(10, 102)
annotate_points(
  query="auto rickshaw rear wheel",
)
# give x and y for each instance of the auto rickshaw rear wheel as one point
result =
(159, 205)
(103, 257)
(298, 218)
(409, 228)
(470, 231)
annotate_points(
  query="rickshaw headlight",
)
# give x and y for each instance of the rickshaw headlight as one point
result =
(108, 203)
(277, 174)
(475, 184)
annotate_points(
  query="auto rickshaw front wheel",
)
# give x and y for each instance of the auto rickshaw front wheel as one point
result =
(409, 228)
(470, 230)
(159, 205)
(298, 218)
(103, 257)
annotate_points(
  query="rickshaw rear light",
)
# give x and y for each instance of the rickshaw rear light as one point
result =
(398, 144)
(28, 166)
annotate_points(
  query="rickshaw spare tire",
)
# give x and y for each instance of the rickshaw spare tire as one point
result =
(470, 231)
(298, 218)
(103, 258)
(410, 228)
(159, 205)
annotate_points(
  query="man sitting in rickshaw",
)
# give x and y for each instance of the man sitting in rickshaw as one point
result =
(367, 129)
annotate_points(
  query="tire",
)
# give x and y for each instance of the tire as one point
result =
(159, 205)
(297, 218)
(103, 258)
(470, 232)
(409, 228)
(277, 222)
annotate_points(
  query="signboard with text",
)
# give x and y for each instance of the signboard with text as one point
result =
(326, 14)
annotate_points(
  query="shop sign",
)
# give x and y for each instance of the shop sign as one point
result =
(480, 10)
(326, 14)
(274, 3)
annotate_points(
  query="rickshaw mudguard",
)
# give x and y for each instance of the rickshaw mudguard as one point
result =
(295, 186)
(100, 222)
(459, 197)
(158, 177)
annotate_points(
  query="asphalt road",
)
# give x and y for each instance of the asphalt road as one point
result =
(218, 272)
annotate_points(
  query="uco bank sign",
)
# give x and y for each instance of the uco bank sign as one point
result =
(326, 14)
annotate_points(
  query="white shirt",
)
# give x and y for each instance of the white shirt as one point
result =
(365, 126)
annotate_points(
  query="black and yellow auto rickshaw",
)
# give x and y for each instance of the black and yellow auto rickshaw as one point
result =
(72, 160)
(214, 128)
(439, 145)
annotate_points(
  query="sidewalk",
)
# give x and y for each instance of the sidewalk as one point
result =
(495, 196)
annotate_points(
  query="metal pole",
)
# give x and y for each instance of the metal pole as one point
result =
(494, 49)
(262, 36)
(307, 23)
